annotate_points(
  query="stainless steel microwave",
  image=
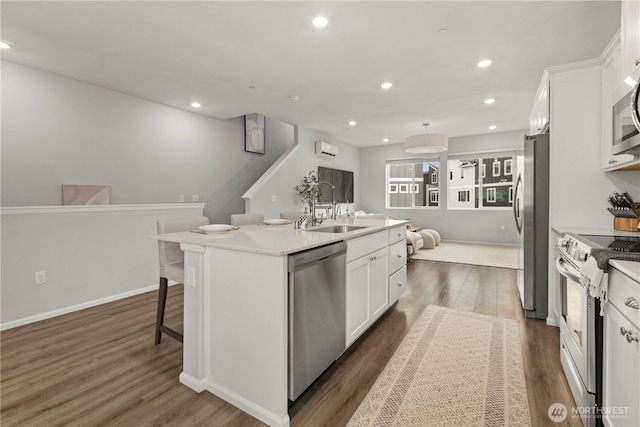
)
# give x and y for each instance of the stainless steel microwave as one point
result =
(626, 124)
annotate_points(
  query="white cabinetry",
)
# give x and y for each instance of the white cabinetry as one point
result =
(610, 82)
(539, 118)
(367, 295)
(630, 38)
(621, 371)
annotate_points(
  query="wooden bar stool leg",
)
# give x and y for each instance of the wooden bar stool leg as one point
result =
(162, 302)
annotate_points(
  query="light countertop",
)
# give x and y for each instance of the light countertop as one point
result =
(629, 268)
(279, 240)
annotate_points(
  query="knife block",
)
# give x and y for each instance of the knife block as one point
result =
(628, 224)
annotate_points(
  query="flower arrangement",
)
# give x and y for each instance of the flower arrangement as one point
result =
(309, 191)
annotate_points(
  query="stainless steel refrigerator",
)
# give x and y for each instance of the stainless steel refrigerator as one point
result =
(531, 211)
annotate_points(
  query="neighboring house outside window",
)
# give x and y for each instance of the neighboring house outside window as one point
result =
(496, 168)
(412, 182)
(494, 191)
(491, 195)
(434, 197)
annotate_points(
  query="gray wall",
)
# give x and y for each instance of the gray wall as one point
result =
(282, 184)
(58, 130)
(471, 226)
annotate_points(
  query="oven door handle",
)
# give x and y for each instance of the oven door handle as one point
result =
(565, 272)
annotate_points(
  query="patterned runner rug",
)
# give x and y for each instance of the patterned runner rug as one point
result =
(452, 369)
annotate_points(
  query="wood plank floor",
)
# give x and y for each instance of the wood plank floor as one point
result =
(99, 366)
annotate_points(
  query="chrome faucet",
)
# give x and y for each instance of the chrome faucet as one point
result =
(334, 205)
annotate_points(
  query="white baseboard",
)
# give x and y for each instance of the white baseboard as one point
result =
(193, 383)
(77, 307)
(247, 406)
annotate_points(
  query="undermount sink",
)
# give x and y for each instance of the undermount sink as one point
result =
(338, 229)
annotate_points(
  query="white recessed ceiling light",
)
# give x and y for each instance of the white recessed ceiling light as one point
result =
(492, 127)
(3, 45)
(195, 105)
(385, 140)
(353, 123)
(484, 63)
(489, 101)
(630, 81)
(386, 85)
(320, 21)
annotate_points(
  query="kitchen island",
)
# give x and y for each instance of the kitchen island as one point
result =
(236, 307)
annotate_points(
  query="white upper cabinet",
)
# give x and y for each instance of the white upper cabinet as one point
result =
(630, 39)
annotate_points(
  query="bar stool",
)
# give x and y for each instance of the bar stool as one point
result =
(171, 260)
(246, 219)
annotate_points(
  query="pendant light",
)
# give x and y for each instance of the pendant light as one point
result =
(426, 142)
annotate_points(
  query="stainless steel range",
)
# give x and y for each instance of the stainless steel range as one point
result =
(581, 323)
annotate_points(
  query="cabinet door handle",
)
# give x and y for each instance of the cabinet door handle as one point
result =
(637, 62)
(399, 283)
(628, 334)
(631, 302)
(400, 256)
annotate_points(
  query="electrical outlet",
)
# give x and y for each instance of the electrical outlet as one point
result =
(273, 198)
(182, 198)
(41, 277)
(191, 277)
(195, 198)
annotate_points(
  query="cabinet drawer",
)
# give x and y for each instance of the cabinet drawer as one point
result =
(397, 256)
(397, 284)
(624, 293)
(397, 233)
(357, 248)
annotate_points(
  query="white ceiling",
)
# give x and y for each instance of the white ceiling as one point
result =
(175, 52)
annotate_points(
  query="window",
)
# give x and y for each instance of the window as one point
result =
(491, 195)
(496, 168)
(471, 187)
(473, 180)
(410, 183)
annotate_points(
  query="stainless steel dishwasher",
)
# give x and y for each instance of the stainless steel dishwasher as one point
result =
(316, 313)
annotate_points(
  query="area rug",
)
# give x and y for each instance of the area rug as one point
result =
(452, 369)
(492, 255)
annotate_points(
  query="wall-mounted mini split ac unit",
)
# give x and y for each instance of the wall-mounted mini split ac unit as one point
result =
(324, 149)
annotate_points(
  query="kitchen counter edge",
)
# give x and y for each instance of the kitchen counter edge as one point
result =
(298, 237)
